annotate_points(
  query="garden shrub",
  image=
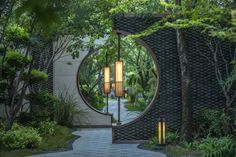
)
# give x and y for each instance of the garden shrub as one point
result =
(16, 59)
(16, 34)
(153, 141)
(218, 147)
(38, 76)
(50, 108)
(43, 102)
(65, 109)
(20, 138)
(47, 128)
(172, 137)
(38, 121)
(214, 123)
(33, 118)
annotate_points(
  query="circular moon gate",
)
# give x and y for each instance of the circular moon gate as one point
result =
(147, 54)
(204, 90)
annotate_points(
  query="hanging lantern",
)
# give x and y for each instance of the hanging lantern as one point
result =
(119, 78)
(161, 131)
(107, 73)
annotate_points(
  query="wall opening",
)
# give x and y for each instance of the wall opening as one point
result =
(141, 80)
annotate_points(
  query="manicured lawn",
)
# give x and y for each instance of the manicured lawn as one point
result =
(59, 141)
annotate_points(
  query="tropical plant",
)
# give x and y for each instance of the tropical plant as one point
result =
(218, 147)
(215, 123)
(172, 137)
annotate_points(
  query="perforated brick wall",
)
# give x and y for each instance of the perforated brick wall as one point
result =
(204, 87)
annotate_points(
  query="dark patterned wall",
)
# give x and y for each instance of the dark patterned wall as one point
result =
(205, 92)
(48, 85)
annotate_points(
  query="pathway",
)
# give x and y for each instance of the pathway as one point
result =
(97, 143)
(125, 115)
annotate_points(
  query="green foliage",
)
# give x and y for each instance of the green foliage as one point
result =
(21, 137)
(215, 123)
(90, 80)
(1, 125)
(46, 128)
(139, 105)
(214, 147)
(172, 137)
(60, 108)
(141, 6)
(59, 141)
(17, 34)
(211, 17)
(140, 74)
(44, 101)
(33, 119)
(16, 59)
(65, 109)
(38, 76)
(231, 78)
(153, 141)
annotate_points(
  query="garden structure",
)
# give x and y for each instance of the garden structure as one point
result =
(205, 94)
(130, 78)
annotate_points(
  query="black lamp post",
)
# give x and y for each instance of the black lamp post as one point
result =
(119, 79)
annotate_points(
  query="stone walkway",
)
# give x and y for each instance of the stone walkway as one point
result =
(125, 115)
(97, 143)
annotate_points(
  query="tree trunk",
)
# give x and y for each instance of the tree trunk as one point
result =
(9, 123)
(186, 127)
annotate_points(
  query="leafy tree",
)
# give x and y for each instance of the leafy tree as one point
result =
(28, 29)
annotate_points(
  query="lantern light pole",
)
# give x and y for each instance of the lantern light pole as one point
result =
(119, 79)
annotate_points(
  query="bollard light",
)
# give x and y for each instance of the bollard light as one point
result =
(161, 131)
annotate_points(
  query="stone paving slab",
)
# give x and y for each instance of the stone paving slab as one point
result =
(98, 143)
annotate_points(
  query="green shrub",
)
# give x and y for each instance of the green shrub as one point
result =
(94, 98)
(16, 59)
(65, 109)
(215, 123)
(16, 34)
(51, 108)
(218, 147)
(47, 128)
(38, 76)
(172, 137)
(33, 118)
(43, 104)
(20, 138)
(153, 141)
(39, 121)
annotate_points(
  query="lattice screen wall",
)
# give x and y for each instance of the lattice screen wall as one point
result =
(205, 92)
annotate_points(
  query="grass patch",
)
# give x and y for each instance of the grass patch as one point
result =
(179, 151)
(132, 107)
(59, 141)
